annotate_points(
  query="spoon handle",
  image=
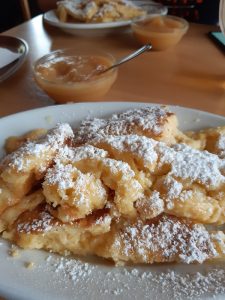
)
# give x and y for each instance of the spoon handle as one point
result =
(131, 56)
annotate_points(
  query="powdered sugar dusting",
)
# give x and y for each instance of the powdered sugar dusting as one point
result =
(25, 156)
(150, 206)
(151, 119)
(59, 134)
(41, 224)
(105, 9)
(80, 153)
(168, 240)
(197, 166)
(141, 146)
(116, 166)
(73, 188)
(63, 171)
(219, 238)
(75, 269)
(185, 162)
(221, 145)
(174, 190)
(61, 175)
(20, 159)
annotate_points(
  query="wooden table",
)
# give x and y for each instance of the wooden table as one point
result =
(192, 74)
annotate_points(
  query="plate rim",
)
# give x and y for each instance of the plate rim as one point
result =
(108, 103)
(83, 26)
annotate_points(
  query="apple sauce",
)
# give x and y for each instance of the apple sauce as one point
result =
(161, 32)
(68, 77)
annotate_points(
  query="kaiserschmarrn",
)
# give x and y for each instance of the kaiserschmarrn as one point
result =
(97, 11)
(130, 188)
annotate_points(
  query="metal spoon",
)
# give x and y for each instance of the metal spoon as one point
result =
(129, 57)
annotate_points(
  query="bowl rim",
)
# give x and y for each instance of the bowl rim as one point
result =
(140, 22)
(76, 52)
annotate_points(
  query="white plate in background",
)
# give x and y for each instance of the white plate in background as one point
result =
(88, 29)
(53, 279)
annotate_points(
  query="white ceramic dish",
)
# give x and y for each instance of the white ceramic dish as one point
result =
(88, 29)
(55, 279)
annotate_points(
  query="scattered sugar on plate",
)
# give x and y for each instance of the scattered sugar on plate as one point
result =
(111, 282)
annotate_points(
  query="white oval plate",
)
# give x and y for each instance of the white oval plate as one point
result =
(97, 28)
(56, 279)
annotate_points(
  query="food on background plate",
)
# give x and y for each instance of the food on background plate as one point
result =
(67, 75)
(162, 32)
(97, 11)
(131, 188)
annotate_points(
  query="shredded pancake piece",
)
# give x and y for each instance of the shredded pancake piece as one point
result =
(79, 184)
(22, 169)
(189, 181)
(164, 239)
(156, 122)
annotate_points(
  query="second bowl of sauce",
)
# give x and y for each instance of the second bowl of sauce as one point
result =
(161, 32)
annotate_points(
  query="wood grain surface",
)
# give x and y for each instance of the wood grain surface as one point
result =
(192, 74)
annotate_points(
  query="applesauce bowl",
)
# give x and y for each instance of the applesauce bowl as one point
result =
(162, 32)
(69, 75)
